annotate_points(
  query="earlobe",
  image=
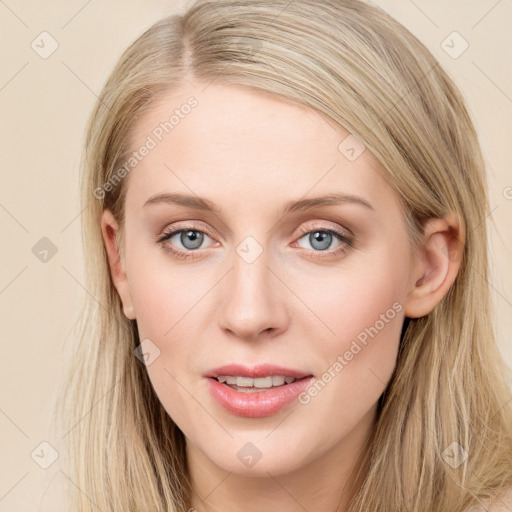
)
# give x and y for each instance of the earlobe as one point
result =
(436, 265)
(109, 231)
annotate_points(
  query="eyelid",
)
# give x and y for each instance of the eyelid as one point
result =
(317, 226)
(187, 226)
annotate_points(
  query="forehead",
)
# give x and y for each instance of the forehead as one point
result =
(223, 141)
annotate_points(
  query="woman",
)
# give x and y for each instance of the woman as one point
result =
(286, 255)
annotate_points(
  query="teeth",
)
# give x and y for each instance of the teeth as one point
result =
(259, 382)
(245, 382)
(263, 382)
(277, 380)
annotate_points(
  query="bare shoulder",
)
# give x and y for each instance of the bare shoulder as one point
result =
(502, 503)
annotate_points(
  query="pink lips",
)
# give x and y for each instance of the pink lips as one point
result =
(261, 403)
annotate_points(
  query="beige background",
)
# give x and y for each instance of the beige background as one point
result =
(44, 105)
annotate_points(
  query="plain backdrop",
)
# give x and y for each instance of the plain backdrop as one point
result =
(44, 104)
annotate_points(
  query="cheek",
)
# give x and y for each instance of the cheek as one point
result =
(360, 306)
(363, 308)
(170, 311)
(166, 304)
(351, 301)
(163, 292)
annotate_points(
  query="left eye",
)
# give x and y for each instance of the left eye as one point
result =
(321, 239)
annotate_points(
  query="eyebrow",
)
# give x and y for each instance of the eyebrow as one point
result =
(327, 200)
(200, 203)
(196, 202)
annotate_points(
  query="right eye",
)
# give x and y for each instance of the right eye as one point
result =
(183, 241)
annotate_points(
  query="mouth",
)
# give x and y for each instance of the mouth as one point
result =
(258, 391)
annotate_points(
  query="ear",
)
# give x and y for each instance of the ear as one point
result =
(109, 231)
(436, 265)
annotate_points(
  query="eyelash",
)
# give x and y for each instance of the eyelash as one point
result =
(347, 241)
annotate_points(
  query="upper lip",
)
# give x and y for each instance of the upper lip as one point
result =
(261, 370)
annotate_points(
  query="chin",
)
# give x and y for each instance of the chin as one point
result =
(258, 459)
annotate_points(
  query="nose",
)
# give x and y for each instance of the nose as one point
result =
(253, 300)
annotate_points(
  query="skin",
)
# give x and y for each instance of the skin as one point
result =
(294, 306)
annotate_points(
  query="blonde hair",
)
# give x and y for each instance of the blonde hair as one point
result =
(352, 62)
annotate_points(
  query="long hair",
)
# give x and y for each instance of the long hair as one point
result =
(352, 62)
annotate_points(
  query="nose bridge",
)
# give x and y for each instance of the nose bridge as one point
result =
(251, 271)
(252, 301)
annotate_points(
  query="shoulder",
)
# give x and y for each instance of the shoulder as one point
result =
(502, 503)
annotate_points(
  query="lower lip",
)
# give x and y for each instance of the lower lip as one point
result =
(257, 404)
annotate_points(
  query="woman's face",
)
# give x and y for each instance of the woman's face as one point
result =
(263, 278)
